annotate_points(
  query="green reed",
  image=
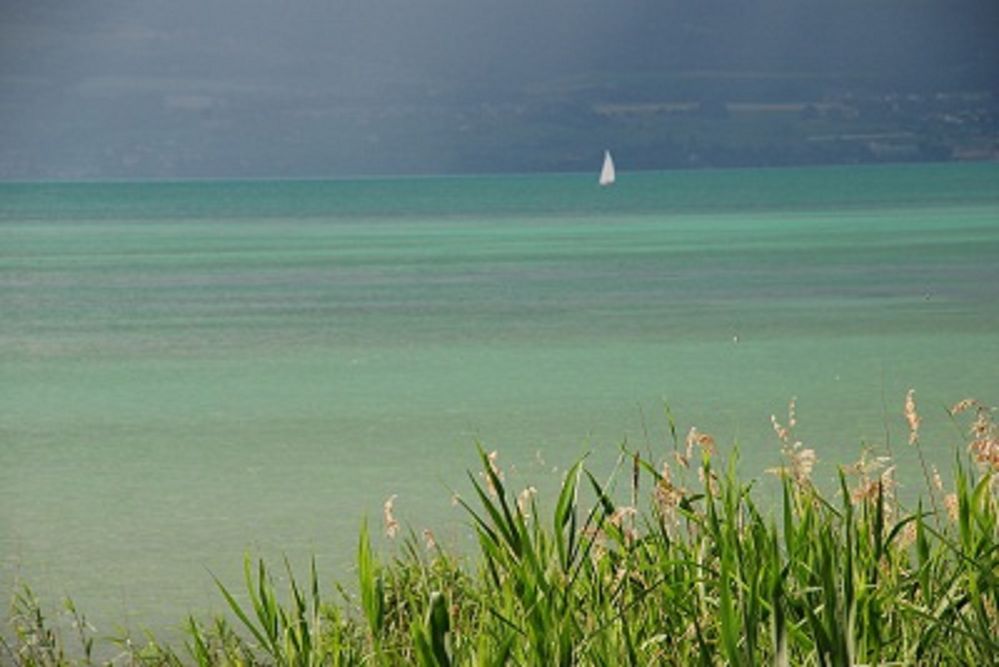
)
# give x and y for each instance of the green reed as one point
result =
(699, 574)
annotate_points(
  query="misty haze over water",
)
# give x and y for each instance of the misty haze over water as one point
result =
(181, 89)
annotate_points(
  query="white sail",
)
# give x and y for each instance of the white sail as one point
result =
(607, 173)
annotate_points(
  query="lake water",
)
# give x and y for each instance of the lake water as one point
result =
(189, 371)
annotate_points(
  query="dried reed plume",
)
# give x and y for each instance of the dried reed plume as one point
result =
(623, 518)
(800, 459)
(391, 525)
(702, 440)
(524, 499)
(875, 477)
(429, 540)
(952, 504)
(493, 456)
(984, 445)
(913, 419)
(784, 434)
(962, 406)
(912, 416)
(801, 462)
(667, 497)
(937, 480)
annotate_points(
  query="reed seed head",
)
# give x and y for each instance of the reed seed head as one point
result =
(908, 535)
(667, 497)
(962, 406)
(391, 525)
(782, 433)
(702, 440)
(912, 416)
(709, 480)
(875, 476)
(429, 539)
(984, 445)
(524, 500)
(622, 513)
(492, 457)
(951, 503)
(802, 461)
(937, 480)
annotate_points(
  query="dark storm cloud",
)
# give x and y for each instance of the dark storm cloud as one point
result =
(172, 80)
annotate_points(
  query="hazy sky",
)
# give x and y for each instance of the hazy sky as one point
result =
(88, 84)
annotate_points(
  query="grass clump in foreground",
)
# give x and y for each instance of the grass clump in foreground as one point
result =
(699, 575)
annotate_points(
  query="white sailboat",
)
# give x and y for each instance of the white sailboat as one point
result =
(607, 173)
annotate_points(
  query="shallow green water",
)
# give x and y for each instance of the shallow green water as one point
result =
(190, 370)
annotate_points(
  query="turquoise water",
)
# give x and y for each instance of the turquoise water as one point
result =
(192, 370)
